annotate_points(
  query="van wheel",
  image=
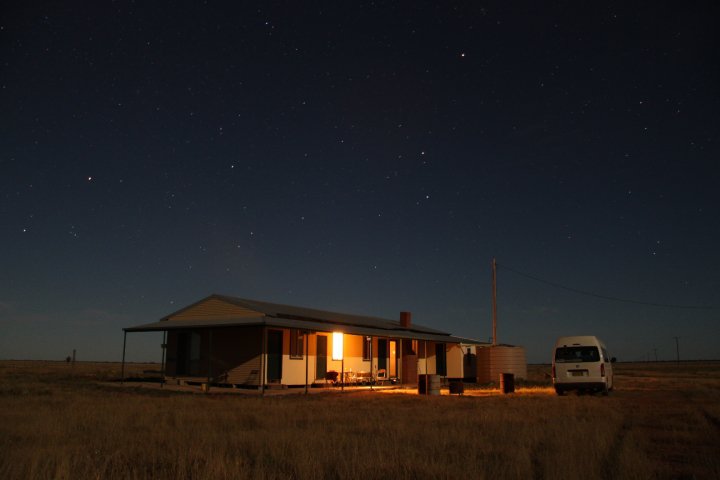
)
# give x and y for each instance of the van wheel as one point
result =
(605, 391)
(559, 391)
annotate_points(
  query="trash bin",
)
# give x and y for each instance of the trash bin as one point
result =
(507, 382)
(457, 388)
(431, 381)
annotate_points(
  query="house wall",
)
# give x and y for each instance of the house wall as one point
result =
(214, 309)
(236, 354)
(353, 354)
(294, 369)
(429, 367)
(197, 368)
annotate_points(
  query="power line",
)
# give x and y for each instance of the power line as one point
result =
(606, 297)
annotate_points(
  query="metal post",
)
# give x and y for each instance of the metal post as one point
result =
(306, 361)
(398, 365)
(209, 374)
(677, 349)
(162, 361)
(262, 361)
(426, 370)
(369, 339)
(122, 368)
(342, 370)
(494, 302)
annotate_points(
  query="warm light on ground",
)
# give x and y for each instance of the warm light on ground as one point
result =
(479, 392)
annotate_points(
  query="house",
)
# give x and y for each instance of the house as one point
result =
(250, 343)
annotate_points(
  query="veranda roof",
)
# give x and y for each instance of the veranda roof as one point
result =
(287, 316)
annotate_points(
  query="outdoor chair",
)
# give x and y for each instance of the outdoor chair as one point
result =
(331, 376)
(363, 378)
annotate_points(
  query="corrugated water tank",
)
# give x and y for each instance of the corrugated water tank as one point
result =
(497, 359)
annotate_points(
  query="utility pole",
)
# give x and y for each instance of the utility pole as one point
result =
(655, 351)
(494, 302)
(677, 349)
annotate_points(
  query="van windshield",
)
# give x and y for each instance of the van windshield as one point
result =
(577, 354)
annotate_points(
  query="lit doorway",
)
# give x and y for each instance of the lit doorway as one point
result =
(393, 359)
(274, 356)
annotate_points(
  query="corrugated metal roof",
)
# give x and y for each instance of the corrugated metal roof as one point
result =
(290, 311)
(288, 316)
(177, 324)
(470, 341)
(290, 323)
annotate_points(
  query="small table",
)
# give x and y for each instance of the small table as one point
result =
(350, 378)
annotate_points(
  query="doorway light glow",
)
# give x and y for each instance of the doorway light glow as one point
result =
(337, 346)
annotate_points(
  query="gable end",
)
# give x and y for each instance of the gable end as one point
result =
(214, 309)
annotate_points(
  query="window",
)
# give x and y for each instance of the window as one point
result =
(296, 343)
(367, 348)
(577, 354)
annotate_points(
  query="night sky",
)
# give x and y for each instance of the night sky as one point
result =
(362, 157)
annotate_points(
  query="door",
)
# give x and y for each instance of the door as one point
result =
(187, 355)
(440, 360)
(274, 356)
(382, 356)
(321, 357)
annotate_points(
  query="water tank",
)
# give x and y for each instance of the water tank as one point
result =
(498, 359)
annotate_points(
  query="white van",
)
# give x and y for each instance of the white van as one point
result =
(581, 363)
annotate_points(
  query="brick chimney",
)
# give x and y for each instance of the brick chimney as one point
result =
(405, 319)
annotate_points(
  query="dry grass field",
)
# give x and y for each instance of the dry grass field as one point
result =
(663, 421)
